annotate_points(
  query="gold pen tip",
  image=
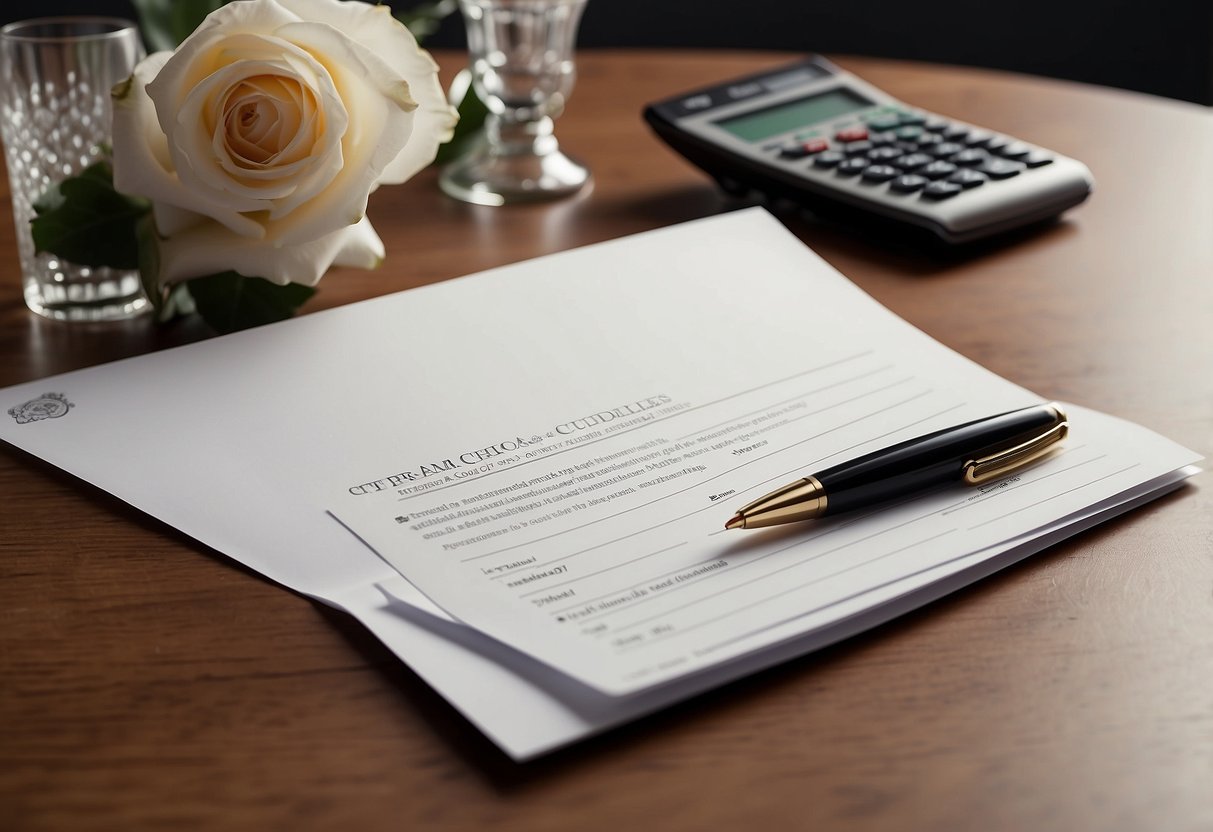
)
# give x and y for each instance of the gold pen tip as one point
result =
(735, 522)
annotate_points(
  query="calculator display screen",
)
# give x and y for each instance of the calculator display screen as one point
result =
(762, 124)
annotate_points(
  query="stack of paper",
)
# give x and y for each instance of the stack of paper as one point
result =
(531, 468)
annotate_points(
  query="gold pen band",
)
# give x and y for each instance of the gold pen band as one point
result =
(1006, 460)
(800, 500)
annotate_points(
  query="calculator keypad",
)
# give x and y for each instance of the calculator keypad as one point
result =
(813, 135)
(908, 153)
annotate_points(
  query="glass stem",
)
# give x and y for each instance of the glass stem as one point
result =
(510, 135)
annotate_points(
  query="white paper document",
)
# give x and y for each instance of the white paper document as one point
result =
(585, 528)
(640, 585)
(537, 463)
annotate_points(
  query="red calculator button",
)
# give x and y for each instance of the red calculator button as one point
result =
(852, 134)
(815, 145)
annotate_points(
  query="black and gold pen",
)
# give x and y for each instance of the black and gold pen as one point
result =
(974, 452)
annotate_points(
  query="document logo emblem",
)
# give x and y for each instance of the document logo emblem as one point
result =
(46, 406)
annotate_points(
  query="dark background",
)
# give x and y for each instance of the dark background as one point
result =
(1163, 47)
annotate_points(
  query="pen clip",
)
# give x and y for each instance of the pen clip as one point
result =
(1006, 460)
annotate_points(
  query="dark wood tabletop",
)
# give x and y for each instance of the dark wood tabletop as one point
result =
(148, 682)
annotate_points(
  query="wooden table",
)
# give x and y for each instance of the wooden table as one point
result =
(147, 682)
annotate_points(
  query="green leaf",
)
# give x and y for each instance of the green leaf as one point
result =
(52, 197)
(149, 262)
(165, 23)
(84, 220)
(168, 302)
(230, 301)
(472, 113)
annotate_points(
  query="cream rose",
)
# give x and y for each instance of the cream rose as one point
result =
(261, 137)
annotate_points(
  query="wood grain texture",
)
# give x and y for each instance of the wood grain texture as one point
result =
(147, 682)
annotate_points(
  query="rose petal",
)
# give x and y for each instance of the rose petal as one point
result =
(141, 158)
(210, 249)
(374, 27)
(200, 154)
(172, 220)
(231, 19)
(298, 117)
(372, 90)
(361, 247)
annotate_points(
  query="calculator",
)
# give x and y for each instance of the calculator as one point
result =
(815, 134)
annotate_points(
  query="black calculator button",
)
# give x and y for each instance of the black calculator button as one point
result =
(913, 161)
(927, 139)
(996, 144)
(880, 173)
(852, 166)
(1001, 168)
(955, 133)
(968, 178)
(908, 183)
(828, 159)
(906, 147)
(1015, 151)
(884, 154)
(882, 139)
(938, 169)
(945, 149)
(935, 125)
(941, 190)
(1035, 159)
(856, 148)
(971, 157)
(978, 138)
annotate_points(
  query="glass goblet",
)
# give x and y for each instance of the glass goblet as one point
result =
(522, 68)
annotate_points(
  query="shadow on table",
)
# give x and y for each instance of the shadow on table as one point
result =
(914, 254)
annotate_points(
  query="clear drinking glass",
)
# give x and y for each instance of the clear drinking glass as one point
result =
(55, 80)
(523, 70)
